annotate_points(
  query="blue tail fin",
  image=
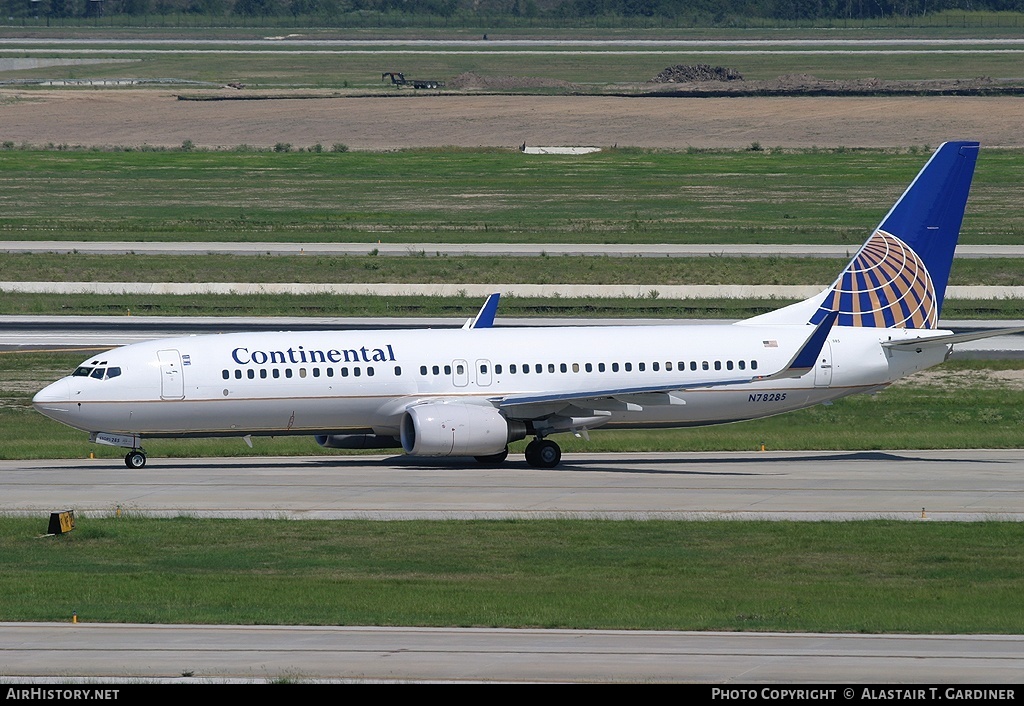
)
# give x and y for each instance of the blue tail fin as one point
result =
(898, 279)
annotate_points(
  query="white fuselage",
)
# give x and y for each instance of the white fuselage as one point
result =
(363, 381)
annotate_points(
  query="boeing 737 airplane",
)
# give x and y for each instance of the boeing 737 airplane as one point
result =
(470, 392)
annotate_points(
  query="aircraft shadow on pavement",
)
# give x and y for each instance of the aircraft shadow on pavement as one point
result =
(618, 463)
(627, 463)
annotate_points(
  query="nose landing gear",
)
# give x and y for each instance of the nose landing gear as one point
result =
(136, 458)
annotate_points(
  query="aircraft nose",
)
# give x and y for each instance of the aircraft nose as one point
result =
(53, 396)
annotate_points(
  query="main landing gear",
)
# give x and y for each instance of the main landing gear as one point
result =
(540, 453)
(136, 458)
(543, 453)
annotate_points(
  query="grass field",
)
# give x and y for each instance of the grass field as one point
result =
(455, 195)
(369, 25)
(47, 267)
(457, 307)
(828, 577)
(816, 577)
(591, 68)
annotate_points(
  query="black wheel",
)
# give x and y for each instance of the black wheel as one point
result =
(493, 459)
(548, 454)
(135, 459)
(531, 452)
(543, 453)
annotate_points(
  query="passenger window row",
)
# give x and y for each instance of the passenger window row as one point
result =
(288, 373)
(537, 368)
(459, 369)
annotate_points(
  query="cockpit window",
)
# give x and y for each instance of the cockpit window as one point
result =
(88, 371)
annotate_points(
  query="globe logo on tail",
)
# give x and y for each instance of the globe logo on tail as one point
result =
(886, 286)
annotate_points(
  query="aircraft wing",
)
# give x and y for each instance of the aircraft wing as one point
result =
(634, 398)
(916, 344)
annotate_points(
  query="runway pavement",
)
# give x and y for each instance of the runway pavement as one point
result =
(920, 486)
(212, 653)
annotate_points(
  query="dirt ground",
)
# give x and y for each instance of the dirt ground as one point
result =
(135, 117)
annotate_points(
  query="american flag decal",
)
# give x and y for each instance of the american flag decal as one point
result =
(771, 344)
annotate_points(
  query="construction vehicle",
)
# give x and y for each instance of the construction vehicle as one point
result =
(399, 79)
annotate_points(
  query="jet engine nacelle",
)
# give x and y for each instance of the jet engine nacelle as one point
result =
(357, 441)
(457, 429)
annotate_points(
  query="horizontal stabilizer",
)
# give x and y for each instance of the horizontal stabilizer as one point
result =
(916, 344)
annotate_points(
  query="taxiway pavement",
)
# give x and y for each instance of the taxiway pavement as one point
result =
(968, 485)
(261, 653)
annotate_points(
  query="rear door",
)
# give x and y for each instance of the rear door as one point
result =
(823, 368)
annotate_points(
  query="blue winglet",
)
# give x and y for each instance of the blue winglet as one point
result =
(485, 318)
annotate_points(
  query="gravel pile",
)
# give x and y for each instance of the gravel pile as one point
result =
(696, 73)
